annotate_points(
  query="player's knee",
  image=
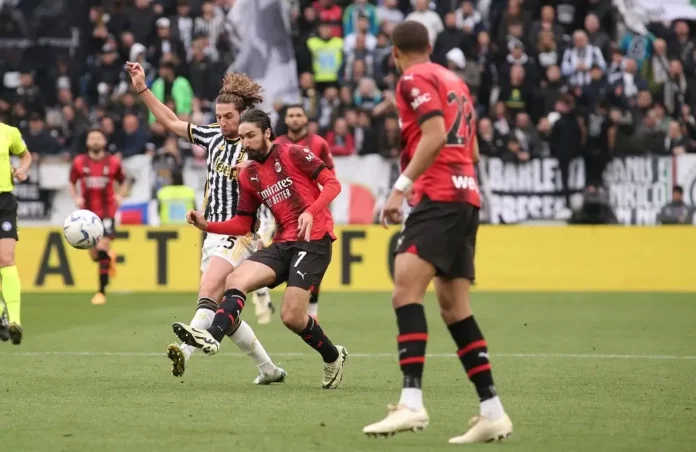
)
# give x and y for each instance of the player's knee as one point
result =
(403, 294)
(6, 259)
(210, 288)
(293, 317)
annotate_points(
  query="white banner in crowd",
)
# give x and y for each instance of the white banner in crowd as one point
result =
(517, 192)
(638, 13)
(639, 187)
(686, 177)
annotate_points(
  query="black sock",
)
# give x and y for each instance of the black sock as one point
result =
(104, 261)
(228, 313)
(314, 336)
(314, 296)
(411, 342)
(473, 353)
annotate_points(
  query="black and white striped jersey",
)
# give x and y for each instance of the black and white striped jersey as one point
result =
(222, 187)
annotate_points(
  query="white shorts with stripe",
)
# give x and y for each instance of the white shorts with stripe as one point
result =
(233, 249)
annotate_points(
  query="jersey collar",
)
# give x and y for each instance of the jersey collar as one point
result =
(271, 152)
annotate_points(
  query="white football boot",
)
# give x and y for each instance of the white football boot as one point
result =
(279, 376)
(483, 430)
(399, 419)
(333, 372)
(196, 338)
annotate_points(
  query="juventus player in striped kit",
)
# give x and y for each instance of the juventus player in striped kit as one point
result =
(221, 254)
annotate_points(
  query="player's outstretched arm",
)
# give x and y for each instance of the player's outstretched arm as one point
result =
(161, 112)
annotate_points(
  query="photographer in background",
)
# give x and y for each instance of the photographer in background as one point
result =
(677, 211)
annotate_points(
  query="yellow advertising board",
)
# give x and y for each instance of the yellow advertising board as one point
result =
(508, 258)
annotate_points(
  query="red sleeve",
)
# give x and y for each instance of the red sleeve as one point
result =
(74, 171)
(305, 161)
(119, 175)
(419, 92)
(237, 225)
(324, 152)
(331, 187)
(243, 222)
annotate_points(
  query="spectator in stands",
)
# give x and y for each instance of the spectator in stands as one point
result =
(166, 162)
(211, 24)
(601, 135)
(165, 44)
(367, 96)
(516, 92)
(566, 139)
(513, 151)
(135, 139)
(450, 38)
(676, 211)
(42, 142)
(28, 93)
(354, 11)
(168, 86)
(596, 35)
(490, 142)
(468, 19)
(427, 17)
(650, 134)
(327, 57)
(677, 89)
(527, 135)
(330, 13)
(365, 134)
(389, 12)
(141, 19)
(676, 143)
(182, 24)
(389, 140)
(515, 23)
(578, 60)
(205, 75)
(340, 140)
(547, 23)
(657, 68)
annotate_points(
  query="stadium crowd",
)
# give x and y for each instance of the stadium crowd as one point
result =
(551, 78)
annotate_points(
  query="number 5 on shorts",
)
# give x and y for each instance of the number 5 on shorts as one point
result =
(300, 256)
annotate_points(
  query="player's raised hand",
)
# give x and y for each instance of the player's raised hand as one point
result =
(304, 226)
(137, 74)
(197, 219)
(391, 212)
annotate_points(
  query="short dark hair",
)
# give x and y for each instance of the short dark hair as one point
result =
(678, 189)
(258, 117)
(411, 36)
(300, 106)
(97, 130)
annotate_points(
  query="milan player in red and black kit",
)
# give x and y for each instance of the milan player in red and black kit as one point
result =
(97, 172)
(439, 236)
(285, 178)
(296, 120)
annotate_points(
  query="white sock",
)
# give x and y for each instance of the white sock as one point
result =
(313, 309)
(492, 409)
(246, 341)
(202, 320)
(412, 398)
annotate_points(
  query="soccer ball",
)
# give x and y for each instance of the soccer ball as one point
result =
(83, 229)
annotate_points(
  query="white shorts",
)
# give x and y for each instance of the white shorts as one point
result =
(233, 249)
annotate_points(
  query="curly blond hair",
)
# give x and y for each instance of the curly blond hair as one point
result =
(239, 90)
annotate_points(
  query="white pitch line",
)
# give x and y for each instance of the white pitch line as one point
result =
(380, 355)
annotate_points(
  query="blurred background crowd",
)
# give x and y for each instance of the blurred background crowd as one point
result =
(565, 79)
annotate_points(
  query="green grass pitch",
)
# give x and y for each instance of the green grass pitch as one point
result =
(576, 372)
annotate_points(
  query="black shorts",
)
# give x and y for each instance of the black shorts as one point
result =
(300, 264)
(109, 227)
(8, 216)
(443, 234)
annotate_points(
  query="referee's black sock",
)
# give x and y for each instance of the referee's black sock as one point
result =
(314, 336)
(411, 342)
(227, 314)
(473, 353)
(104, 264)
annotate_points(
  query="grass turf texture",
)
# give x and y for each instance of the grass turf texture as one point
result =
(96, 377)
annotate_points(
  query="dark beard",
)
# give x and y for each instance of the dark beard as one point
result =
(257, 155)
